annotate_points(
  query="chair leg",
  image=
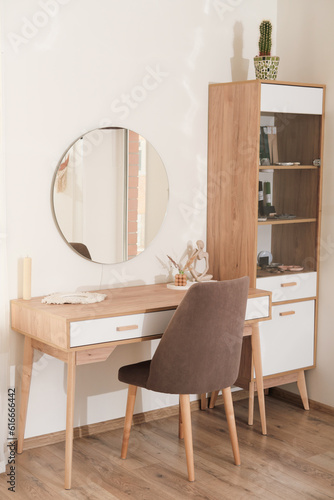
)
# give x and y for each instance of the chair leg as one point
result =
(181, 436)
(229, 411)
(132, 391)
(251, 403)
(213, 399)
(188, 440)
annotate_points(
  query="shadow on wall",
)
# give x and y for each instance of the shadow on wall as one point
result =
(239, 65)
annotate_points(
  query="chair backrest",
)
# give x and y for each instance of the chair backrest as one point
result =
(201, 347)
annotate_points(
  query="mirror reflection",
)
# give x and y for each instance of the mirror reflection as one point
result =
(110, 194)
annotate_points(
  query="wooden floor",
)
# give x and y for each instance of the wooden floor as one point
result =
(294, 461)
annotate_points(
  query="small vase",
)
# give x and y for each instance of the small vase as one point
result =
(266, 67)
(180, 280)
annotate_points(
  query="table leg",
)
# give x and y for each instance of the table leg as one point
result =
(25, 389)
(69, 419)
(256, 348)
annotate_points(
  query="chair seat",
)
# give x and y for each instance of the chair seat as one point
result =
(136, 374)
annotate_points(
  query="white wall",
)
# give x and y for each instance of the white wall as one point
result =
(70, 75)
(305, 40)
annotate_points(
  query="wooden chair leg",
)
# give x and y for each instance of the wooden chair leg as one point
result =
(229, 411)
(301, 384)
(132, 391)
(213, 399)
(188, 439)
(251, 403)
(204, 404)
(181, 434)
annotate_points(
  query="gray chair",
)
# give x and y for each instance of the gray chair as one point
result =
(199, 352)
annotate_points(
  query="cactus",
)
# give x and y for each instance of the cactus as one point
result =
(265, 38)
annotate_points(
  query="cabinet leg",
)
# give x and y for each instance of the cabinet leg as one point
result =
(25, 389)
(251, 403)
(69, 419)
(256, 348)
(301, 384)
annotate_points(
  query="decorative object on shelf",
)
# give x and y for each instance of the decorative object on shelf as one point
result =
(260, 204)
(199, 254)
(266, 65)
(317, 162)
(74, 298)
(264, 258)
(180, 277)
(292, 269)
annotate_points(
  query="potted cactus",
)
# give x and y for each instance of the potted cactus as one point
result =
(266, 65)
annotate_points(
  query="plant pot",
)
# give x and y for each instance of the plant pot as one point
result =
(266, 67)
(180, 280)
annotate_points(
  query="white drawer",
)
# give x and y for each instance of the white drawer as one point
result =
(291, 99)
(290, 287)
(257, 307)
(96, 331)
(287, 341)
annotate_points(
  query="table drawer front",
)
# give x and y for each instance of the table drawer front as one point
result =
(290, 287)
(257, 308)
(287, 341)
(117, 328)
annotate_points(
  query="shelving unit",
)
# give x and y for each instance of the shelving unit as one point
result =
(294, 112)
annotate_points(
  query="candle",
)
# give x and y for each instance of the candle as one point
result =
(27, 278)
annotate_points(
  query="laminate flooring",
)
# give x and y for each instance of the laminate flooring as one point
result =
(295, 461)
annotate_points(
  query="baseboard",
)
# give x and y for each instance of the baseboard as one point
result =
(118, 423)
(295, 399)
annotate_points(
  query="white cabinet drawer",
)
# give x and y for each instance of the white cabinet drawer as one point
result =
(287, 341)
(96, 331)
(257, 307)
(290, 287)
(291, 99)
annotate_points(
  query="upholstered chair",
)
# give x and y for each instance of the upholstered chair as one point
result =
(198, 353)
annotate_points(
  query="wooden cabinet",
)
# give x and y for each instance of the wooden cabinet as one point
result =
(294, 115)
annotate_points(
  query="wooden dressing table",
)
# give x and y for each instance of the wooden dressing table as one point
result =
(81, 334)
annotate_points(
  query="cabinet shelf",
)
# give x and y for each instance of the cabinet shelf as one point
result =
(263, 273)
(297, 220)
(288, 167)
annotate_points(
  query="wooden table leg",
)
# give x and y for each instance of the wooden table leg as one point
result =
(256, 348)
(69, 419)
(25, 389)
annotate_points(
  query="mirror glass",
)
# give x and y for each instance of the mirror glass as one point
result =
(109, 195)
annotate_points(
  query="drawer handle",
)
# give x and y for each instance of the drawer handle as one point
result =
(292, 283)
(287, 313)
(124, 328)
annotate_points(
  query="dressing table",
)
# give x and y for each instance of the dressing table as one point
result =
(81, 334)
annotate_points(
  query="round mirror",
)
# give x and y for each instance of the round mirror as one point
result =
(109, 195)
